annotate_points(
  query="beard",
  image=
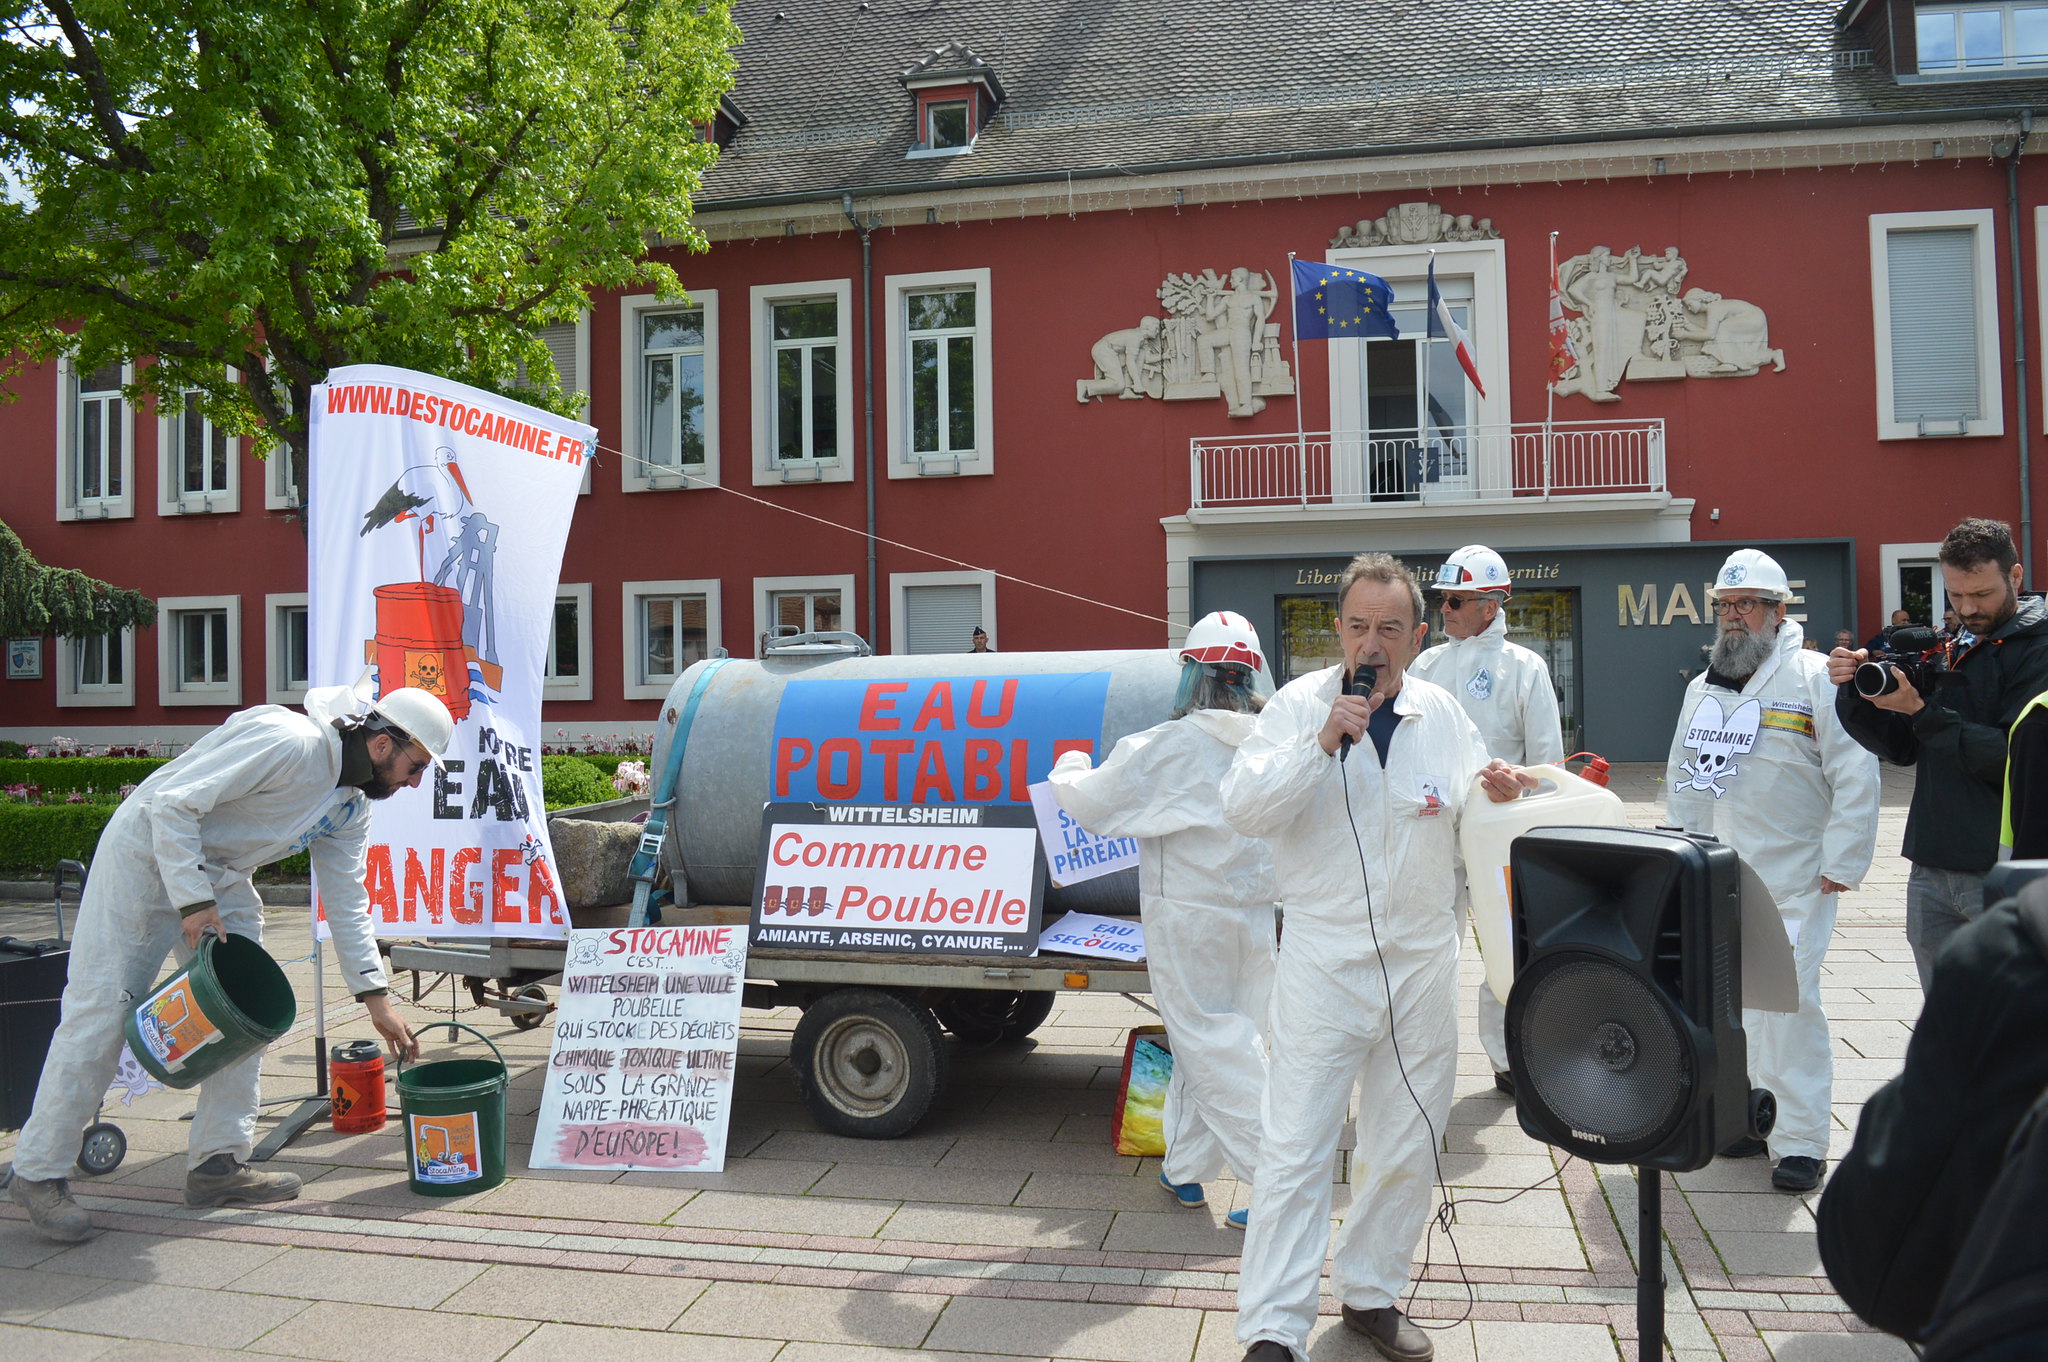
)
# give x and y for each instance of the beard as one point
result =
(1738, 653)
(383, 782)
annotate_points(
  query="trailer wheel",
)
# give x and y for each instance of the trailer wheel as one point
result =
(868, 1063)
(523, 1020)
(103, 1149)
(982, 1015)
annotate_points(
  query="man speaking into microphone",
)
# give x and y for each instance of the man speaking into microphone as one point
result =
(1357, 775)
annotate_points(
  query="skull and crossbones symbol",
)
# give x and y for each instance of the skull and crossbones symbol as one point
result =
(1716, 738)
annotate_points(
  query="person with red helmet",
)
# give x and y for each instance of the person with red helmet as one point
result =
(1207, 897)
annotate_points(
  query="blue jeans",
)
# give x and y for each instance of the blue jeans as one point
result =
(1937, 902)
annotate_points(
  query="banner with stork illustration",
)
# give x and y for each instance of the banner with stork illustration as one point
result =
(438, 513)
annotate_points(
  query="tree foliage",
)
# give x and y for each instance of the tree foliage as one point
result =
(37, 600)
(280, 187)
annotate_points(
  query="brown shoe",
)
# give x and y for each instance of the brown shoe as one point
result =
(1388, 1330)
(1266, 1350)
(225, 1180)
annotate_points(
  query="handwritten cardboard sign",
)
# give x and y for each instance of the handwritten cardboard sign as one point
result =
(647, 1028)
(1072, 853)
(1112, 938)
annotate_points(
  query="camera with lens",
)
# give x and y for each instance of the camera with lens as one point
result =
(1915, 651)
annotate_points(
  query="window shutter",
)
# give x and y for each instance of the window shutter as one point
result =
(941, 619)
(1933, 285)
(561, 342)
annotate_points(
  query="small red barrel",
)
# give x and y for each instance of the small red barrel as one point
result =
(419, 642)
(357, 1078)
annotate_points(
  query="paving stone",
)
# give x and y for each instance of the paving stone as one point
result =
(1755, 1211)
(582, 1343)
(786, 1177)
(1328, 1341)
(348, 1187)
(1098, 1192)
(1836, 1348)
(21, 1246)
(50, 1345)
(812, 1314)
(1543, 1208)
(1036, 1328)
(1019, 1227)
(584, 1201)
(174, 1260)
(1779, 1255)
(561, 1294)
(366, 1278)
(342, 1332)
(1511, 1246)
(969, 1186)
(173, 1314)
(917, 1150)
(26, 1293)
(783, 1214)
(1039, 1156)
(1501, 1341)
(1174, 1231)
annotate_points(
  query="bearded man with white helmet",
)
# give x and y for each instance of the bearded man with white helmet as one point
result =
(1505, 689)
(1365, 994)
(174, 863)
(1761, 761)
(1207, 897)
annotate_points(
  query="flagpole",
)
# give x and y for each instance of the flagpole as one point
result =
(1550, 383)
(1300, 434)
(1423, 430)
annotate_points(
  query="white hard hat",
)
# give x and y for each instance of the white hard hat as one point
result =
(1752, 571)
(1224, 637)
(419, 715)
(1473, 568)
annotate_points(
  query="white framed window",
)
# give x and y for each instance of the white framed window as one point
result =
(803, 382)
(96, 672)
(568, 345)
(568, 662)
(1981, 39)
(939, 372)
(95, 443)
(288, 670)
(802, 605)
(938, 612)
(198, 464)
(1934, 305)
(668, 391)
(280, 486)
(668, 626)
(199, 650)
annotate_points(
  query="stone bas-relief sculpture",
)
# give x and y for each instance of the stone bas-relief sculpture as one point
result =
(1635, 323)
(1218, 339)
(1415, 224)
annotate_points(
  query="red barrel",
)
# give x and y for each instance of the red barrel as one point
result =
(419, 642)
(357, 1077)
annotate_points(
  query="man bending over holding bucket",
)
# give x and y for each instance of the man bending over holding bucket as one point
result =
(173, 864)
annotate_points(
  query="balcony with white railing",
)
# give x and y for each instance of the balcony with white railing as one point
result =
(1503, 467)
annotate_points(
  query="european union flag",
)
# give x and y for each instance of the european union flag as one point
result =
(1331, 301)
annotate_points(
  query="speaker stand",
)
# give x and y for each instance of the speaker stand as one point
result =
(1649, 1264)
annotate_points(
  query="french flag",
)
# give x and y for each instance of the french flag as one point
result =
(1442, 323)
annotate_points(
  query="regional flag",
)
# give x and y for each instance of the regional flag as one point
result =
(1563, 354)
(1332, 302)
(1443, 324)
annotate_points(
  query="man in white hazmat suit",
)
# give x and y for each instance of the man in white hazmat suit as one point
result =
(174, 863)
(1207, 898)
(1506, 692)
(1761, 761)
(1365, 994)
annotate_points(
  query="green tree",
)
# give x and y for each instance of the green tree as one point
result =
(36, 600)
(252, 192)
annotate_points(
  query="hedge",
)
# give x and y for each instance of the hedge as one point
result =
(568, 781)
(62, 775)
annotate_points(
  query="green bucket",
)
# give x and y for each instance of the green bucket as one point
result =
(227, 1002)
(454, 1112)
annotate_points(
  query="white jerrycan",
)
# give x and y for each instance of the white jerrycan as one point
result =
(1560, 799)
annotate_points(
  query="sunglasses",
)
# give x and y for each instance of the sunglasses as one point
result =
(1460, 602)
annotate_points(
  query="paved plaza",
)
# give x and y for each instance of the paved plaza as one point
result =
(1003, 1227)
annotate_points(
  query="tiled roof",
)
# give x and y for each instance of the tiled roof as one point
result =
(1098, 86)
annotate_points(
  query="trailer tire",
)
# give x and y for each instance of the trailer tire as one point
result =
(102, 1149)
(983, 1015)
(868, 1063)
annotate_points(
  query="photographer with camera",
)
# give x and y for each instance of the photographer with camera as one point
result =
(1945, 709)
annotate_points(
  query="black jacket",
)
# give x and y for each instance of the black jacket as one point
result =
(1931, 1142)
(1958, 741)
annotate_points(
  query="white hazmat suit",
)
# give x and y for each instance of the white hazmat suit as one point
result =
(1505, 690)
(255, 790)
(1331, 1027)
(1770, 771)
(1206, 896)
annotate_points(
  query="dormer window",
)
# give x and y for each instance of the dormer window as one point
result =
(724, 125)
(946, 125)
(954, 93)
(1980, 39)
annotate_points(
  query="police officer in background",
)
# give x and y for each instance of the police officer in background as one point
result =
(1505, 689)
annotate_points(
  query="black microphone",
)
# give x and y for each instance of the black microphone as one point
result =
(1362, 681)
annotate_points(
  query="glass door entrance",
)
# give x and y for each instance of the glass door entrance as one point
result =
(1411, 453)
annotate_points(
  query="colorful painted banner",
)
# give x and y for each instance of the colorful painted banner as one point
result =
(438, 516)
(647, 1027)
(927, 879)
(931, 739)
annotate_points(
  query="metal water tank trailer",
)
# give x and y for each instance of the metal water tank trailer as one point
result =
(812, 723)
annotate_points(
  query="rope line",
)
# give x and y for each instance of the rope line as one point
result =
(879, 539)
